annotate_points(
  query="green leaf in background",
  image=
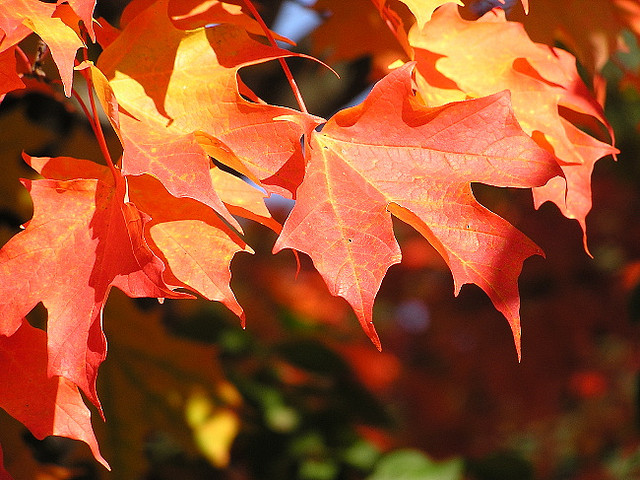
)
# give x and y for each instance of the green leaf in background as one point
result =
(414, 465)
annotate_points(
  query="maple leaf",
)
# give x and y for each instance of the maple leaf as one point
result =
(391, 154)
(84, 10)
(183, 232)
(454, 64)
(12, 31)
(46, 405)
(152, 64)
(83, 239)
(242, 199)
(592, 38)
(423, 9)
(194, 243)
(178, 161)
(38, 17)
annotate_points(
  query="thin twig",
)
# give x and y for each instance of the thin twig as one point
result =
(283, 63)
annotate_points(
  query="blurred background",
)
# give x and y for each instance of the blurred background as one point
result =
(302, 393)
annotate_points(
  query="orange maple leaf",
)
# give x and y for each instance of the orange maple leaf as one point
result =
(9, 78)
(591, 29)
(194, 243)
(46, 405)
(459, 59)
(352, 30)
(423, 9)
(182, 232)
(185, 83)
(192, 14)
(84, 9)
(18, 18)
(82, 240)
(391, 154)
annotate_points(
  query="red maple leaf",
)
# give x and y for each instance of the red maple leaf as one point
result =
(391, 154)
(46, 405)
(82, 240)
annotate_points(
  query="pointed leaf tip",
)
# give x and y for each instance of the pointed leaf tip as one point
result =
(370, 330)
(517, 339)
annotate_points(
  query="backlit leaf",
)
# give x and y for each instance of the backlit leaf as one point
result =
(83, 239)
(391, 154)
(46, 405)
(38, 17)
(458, 59)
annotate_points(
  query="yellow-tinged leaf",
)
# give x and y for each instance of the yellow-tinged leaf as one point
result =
(458, 59)
(184, 83)
(38, 17)
(214, 427)
(150, 385)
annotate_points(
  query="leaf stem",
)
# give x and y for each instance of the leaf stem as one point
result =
(283, 63)
(84, 108)
(94, 121)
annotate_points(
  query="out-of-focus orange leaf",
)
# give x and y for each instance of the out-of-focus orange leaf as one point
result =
(352, 30)
(306, 297)
(588, 384)
(631, 275)
(376, 370)
(591, 29)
